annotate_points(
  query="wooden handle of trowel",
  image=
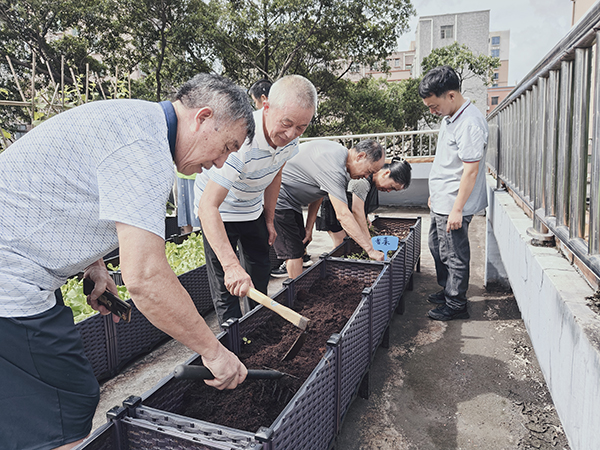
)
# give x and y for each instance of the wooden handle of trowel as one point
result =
(288, 314)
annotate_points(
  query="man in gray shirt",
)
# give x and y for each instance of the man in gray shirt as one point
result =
(456, 188)
(321, 168)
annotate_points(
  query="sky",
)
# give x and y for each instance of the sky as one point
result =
(536, 26)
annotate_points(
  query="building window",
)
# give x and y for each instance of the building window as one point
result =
(447, 31)
(495, 53)
(494, 100)
(495, 40)
(496, 76)
(397, 63)
(354, 68)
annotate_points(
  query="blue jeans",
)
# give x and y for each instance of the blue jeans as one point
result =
(452, 255)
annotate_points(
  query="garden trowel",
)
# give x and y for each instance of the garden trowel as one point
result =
(288, 314)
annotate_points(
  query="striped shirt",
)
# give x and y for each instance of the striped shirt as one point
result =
(246, 174)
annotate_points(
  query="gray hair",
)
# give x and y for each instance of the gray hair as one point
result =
(371, 148)
(228, 102)
(293, 89)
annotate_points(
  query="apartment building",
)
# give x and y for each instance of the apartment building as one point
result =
(469, 28)
(499, 45)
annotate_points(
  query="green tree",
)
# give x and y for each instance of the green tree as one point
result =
(319, 39)
(170, 42)
(369, 106)
(466, 64)
(53, 29)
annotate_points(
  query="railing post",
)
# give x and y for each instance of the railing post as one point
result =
(594, 239)
(539, 156)
(565, 117)
(551, 143)
(526, 146)
(581, 97)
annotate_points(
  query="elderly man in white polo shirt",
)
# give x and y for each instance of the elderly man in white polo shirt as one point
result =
(456, 188)
(73, 189)
(236, 203)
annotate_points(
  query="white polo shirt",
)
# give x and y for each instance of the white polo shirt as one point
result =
(462, 138)
(65, 184)
(246, 174)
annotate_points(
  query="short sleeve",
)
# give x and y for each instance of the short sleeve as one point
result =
(134, 184)
(471, 141)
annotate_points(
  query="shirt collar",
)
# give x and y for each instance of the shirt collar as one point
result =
(458, 113)
(259, 134)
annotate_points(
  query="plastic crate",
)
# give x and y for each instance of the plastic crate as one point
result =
(312, 418)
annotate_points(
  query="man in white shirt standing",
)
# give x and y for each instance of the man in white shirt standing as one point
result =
(236, 203)
(456, 188)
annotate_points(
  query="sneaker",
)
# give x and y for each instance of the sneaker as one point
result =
(447, 313)
(306, 261)
(280, 271)
(439, 298)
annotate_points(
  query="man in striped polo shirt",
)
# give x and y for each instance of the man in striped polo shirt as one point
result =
(236, 203)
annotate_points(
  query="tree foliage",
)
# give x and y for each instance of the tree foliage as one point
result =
(466, 64)
(369, 106)
(169, 41)
(272, 38)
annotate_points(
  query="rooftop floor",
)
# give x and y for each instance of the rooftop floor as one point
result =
(466, 384)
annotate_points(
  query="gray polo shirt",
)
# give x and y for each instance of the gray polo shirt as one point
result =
(318, 169)
(462, 138)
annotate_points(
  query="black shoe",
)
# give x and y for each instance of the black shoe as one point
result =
(439, 298)
(280, 271)
(306, 261)
(447, 313)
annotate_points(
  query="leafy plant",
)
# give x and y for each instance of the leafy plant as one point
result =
(182, 258)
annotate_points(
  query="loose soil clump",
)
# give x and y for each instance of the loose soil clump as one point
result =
(329, 304)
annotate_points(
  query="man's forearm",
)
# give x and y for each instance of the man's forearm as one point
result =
(465, 188)
(216, 235)
(311, 216)
(270, 197)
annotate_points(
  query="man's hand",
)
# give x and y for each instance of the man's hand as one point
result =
(98, 273)
(454, 221)
(227, 369)
(272, 232)
(237, 280)
(308, 237)
(376, 255)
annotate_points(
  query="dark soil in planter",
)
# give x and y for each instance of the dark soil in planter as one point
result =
(400, 229)
(329, 304)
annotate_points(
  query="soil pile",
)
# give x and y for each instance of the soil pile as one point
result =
(329, 304)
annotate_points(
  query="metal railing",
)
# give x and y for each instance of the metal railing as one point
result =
(545, 141)
(401, 143)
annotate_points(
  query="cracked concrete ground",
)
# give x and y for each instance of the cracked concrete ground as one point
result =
(466, 384)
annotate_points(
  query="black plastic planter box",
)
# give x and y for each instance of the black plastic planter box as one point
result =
(97, 333)
(312, 418)
(123, 432)
(404, 261)
(111, 346)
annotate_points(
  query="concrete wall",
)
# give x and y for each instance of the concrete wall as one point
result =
(416, 194)
(564, 331)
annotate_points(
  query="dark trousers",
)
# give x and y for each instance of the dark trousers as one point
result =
(452, 255)
(48, 391)
(251, 239)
